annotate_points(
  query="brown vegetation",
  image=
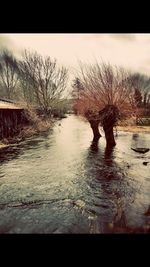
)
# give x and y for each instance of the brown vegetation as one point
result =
(37, 84)
(34, 125)
(106, 95)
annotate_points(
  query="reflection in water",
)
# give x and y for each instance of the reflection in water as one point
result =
(108, 157)
(135, 136)
(65, 183)
(13, 151)
(135, 140)
(94, 146)
(108, 154)
(138, 141)
(114, 191)
(9, 153)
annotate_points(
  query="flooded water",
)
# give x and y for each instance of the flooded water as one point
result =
(60, 182)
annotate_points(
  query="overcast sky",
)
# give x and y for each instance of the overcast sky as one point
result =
(128, 50)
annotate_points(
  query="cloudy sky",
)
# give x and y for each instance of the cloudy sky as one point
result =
(129, 50)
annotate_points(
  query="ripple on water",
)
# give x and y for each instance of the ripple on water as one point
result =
(61, 182)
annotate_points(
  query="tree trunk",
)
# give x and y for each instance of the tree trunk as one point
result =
(94, 125)
(109, 116)
(109, 135)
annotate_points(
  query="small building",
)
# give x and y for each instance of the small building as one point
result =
(11, 117)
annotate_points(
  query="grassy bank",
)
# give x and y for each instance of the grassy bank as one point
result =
(35, 125)
(134, 129)
(131, 125)
(25, 132)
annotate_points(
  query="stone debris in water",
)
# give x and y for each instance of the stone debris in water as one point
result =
(140, 149)
(145, 162)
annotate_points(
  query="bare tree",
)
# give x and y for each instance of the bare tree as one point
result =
(8, 75)
(44, 76)
(108, 96)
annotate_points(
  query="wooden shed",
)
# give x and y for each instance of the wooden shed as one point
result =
(11, 117)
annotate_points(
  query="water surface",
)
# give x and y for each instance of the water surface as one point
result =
(59, 182)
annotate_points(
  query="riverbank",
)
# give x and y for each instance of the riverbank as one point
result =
(26, 132)
(134, 129)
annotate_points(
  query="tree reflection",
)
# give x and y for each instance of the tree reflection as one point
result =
(108, 156)
(94, 146)
(110, 182)
(138, 141)
(135, 136)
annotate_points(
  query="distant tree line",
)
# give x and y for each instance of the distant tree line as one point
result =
(142, 92)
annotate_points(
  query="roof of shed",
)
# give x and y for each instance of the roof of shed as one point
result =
(6, 105)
